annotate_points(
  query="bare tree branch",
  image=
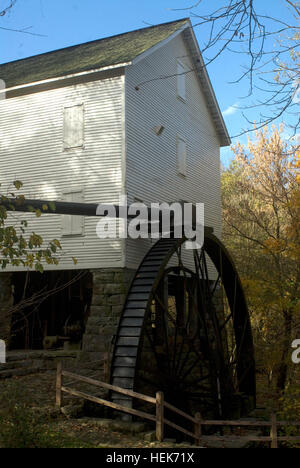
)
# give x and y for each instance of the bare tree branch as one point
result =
(242, 27)
(5, 10)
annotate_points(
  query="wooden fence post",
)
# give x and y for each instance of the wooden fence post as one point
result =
(198, 428)
(274, 436)
(59, 385)
(160, 416)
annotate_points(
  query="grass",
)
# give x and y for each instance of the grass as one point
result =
(22, 427)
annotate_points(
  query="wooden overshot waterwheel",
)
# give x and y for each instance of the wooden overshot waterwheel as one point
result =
(186, 334)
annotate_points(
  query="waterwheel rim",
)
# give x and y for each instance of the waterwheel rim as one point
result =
(170, 338)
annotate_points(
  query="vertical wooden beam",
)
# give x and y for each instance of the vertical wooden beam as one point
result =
(160, 416)
(59, 385)
(198, 429)
(274, 435)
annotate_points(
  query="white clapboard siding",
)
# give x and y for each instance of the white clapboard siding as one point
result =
(74, 126)
(32, 150)
(116, 148)
(181, 80)
(152, 165)
(73, 225)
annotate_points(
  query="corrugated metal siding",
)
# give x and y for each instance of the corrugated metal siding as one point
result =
(31, 150)
(151, 160)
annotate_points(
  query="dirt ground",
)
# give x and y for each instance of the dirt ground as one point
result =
(37, 392)
(34, 395)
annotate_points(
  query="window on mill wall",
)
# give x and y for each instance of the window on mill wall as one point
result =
(181, 80)
(73, 127)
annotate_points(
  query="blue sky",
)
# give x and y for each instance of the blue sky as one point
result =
(53, 24)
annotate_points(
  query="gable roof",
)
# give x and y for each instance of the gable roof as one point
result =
(120, 50)
(89, 56)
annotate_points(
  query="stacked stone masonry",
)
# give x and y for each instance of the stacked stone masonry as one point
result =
(110, 288)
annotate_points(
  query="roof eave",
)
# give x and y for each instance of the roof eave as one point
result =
(209, 93)
(83, 74)
(160, 44)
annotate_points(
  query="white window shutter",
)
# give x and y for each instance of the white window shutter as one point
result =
(74, 127)
(181, 80)
(73, 225)
(181, 156)
(66, 225)
(77, 221)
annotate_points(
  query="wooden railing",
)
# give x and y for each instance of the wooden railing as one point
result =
(60, 389)
(160, 419)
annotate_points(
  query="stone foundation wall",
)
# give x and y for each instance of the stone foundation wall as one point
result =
(6, 302)
(110, 288)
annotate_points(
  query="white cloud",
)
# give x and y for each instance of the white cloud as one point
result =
(231, 110)
(294, 139)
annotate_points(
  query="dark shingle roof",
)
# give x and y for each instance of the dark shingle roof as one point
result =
(91, 55)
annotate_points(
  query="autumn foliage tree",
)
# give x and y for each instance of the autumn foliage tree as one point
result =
(262, 229)
(21, 247)
(18, 245)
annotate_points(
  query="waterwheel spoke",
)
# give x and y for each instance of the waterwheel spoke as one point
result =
(192, 349)
(222, 327)
(217, 282)
(164, 326)
(190, 368)
(193, 343)
(193, 305)
(153, 347)
(193, 382)
(175, 346)
(178, 313)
